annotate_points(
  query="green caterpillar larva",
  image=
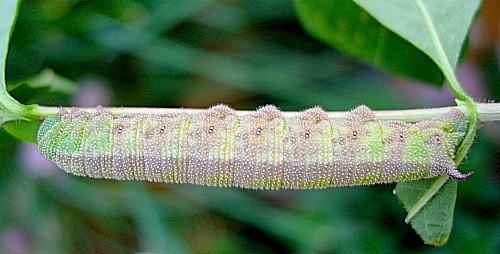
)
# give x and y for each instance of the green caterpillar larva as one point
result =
(261, 150)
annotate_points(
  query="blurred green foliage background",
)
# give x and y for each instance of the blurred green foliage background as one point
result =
(197, 53)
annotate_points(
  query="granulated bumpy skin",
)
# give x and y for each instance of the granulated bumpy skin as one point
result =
(262, 150)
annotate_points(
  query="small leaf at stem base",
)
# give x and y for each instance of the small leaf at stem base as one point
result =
(434, 221)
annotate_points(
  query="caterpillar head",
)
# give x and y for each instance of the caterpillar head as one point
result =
(45, 143)
(47, 125)
(56, 130)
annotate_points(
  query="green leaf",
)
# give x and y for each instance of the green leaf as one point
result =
(48, 79)
(438, 28)
(8, 11)
(42, 87)
(10, 109)
(23, 130)
(346, 26)
(435, 219)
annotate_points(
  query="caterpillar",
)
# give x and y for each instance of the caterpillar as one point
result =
(260, 150)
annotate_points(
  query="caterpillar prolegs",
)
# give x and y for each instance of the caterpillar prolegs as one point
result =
(261, 150)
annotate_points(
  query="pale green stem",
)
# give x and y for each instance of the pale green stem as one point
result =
(487, 112)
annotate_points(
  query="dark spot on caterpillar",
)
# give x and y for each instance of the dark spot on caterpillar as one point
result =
(401, 137)
(438, 140)
(211, 129)
(162, 129)
(119, 130)
(354, 134)
(258, 131)
(435, 140)
(306, 134)
(61, 131)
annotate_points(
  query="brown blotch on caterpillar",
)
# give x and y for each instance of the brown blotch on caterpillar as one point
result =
(401, 137)
(315, 115)
(220, 111)
(268, 112)
(61, 131)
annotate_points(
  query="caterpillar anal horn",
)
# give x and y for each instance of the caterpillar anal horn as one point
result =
(457, 175)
